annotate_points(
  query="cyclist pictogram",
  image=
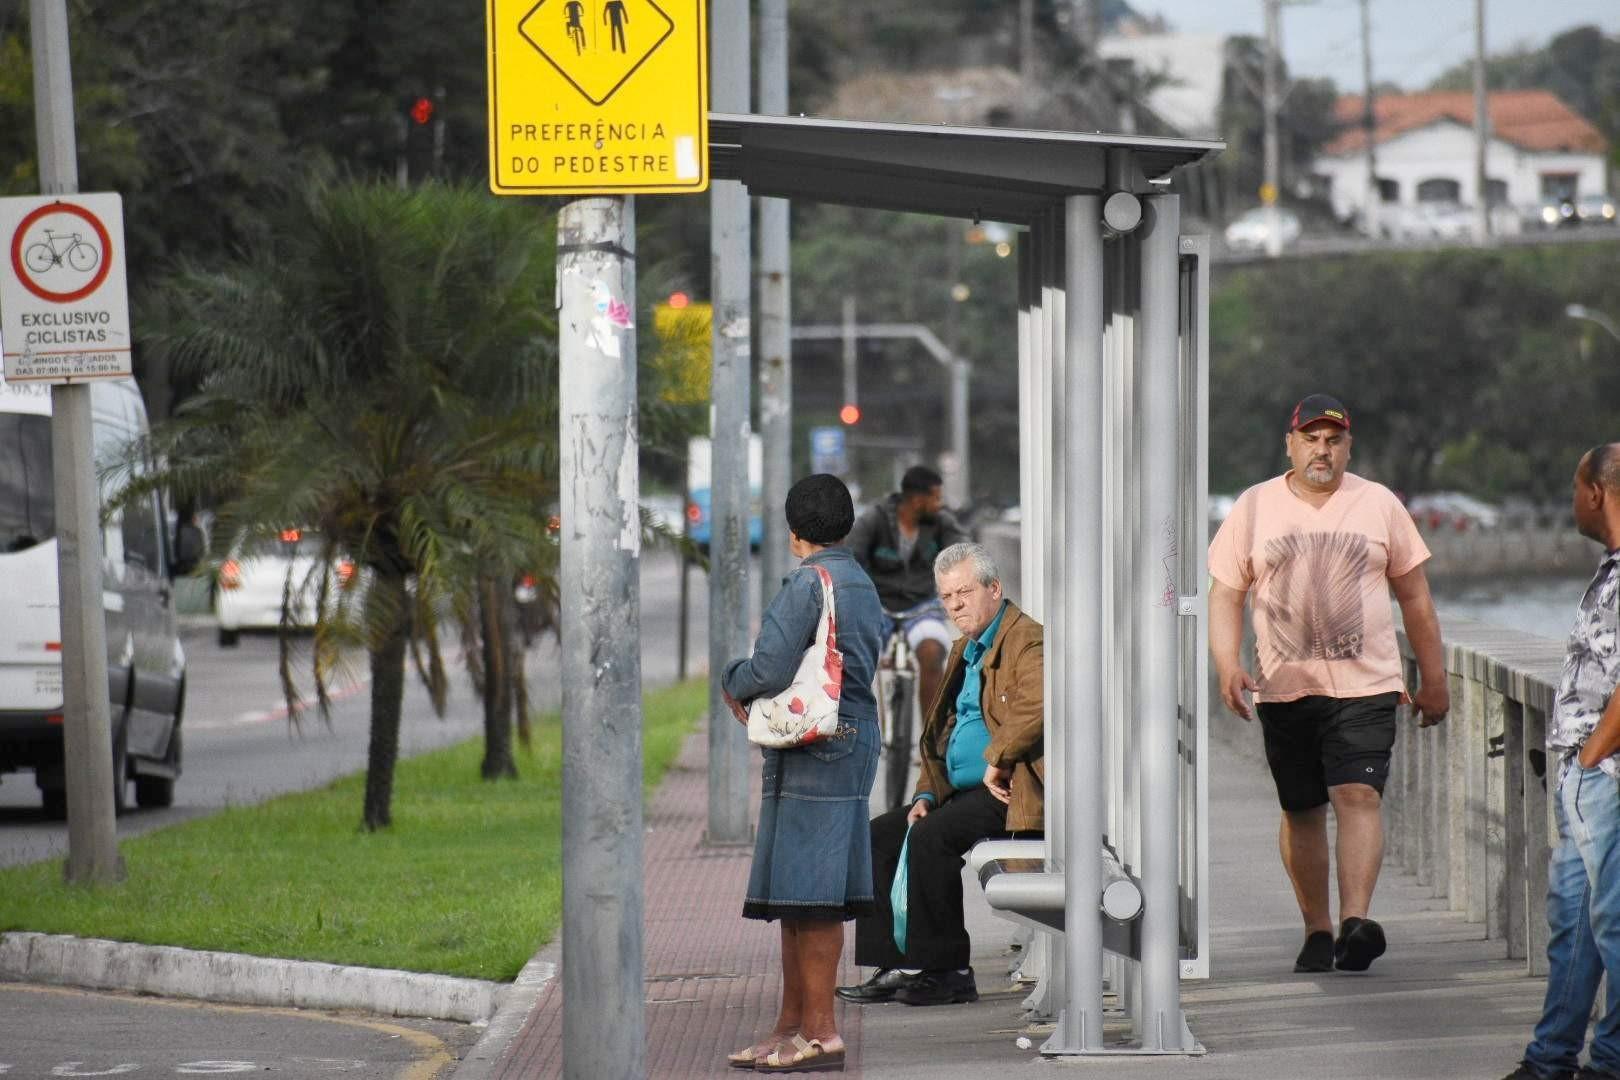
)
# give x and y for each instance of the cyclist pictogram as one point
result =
(574, 11)
(61, 249)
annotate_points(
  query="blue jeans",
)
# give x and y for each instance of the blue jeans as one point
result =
(1583, 917)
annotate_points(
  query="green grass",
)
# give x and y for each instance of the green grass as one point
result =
(467, 882)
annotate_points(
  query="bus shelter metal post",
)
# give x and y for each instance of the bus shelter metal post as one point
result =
(1026, 397)
(1048, 1003)
(1194, 603)
(1079, 634)
(1155, 603)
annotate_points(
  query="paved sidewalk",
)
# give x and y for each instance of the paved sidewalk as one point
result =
(1442, 1005)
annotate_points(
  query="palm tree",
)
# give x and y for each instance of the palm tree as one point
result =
(381, 369)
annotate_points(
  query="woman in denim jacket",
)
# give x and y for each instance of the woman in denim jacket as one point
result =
(813, 857)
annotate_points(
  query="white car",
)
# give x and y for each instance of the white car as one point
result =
(1251, 229)
(1452, 509)
(252, 584)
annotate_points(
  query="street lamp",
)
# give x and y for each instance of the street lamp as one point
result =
(1581, 311)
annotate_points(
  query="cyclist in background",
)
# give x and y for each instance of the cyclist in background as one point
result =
(896, 541)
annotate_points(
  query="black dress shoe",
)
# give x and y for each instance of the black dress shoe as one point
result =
(879, 988)
(940, 988)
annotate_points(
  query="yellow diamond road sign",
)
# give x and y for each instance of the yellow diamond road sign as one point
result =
(598, 96)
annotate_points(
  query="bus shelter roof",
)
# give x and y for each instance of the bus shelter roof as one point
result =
(994, 174)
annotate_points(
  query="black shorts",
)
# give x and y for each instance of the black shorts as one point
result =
(1316, 743)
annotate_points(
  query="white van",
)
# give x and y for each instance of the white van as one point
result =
(146, 667)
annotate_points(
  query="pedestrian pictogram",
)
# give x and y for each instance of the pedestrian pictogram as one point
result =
(64, 309)
(598, 96)
(596, 45)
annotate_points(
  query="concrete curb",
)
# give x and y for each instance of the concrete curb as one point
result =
(507, 1023)
(93, 964)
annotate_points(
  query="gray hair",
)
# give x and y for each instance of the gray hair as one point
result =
(984, 567)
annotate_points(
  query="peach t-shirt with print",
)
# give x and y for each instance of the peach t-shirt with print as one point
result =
(1319, 577)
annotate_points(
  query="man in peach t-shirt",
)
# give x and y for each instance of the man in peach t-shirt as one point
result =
(1320, 550)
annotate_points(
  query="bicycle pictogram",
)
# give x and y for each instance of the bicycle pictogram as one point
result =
(62, 249)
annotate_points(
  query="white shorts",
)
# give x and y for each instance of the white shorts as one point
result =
(928, 628)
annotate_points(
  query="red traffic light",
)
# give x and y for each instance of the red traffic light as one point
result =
(679, 300)
(422, 110)
(850, 414)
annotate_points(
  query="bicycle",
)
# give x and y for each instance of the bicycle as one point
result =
(897, 710)
(79, 254)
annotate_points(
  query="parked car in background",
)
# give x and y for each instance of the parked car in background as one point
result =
(1452, 510)
(1556, 213)
(1250, 230)
(1596, 209)
(254, 580)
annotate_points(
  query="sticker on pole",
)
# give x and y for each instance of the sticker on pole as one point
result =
(598, 97)
(64, 299)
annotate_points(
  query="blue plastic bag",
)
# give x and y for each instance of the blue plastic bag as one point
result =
(898, 893)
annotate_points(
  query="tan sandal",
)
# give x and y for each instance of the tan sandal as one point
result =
(750, 1056)
(809, 1055)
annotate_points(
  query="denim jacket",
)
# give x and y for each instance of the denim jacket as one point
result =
(789, 628)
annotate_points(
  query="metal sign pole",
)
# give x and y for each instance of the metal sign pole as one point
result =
(86, 723)
(603, 966)
(775, 308)
(729, 230)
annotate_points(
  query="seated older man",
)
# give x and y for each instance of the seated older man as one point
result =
(982, 778)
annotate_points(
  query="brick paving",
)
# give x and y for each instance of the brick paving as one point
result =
(713, 977)
(1445, 1004)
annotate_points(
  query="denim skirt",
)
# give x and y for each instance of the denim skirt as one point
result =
(813, 852)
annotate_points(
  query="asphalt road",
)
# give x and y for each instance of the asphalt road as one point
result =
(49, 1032)
(240, 747)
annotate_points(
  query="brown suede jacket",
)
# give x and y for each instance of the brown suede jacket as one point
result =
(1012, 696)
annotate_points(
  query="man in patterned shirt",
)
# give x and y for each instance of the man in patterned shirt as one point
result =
(1320, 550)
(1583, 878)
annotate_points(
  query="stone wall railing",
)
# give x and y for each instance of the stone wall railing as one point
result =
(1509, 550)
(1466, 804)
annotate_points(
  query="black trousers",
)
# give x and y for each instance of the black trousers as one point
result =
(936, 937)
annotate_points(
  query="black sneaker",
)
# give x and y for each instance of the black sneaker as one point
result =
(879, 988)
(940, 988)
(1591, 1072)
(1526, 1072)
(1361, 941)
(1317, 952)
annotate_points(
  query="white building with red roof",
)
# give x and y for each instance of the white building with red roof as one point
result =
(1539, 149)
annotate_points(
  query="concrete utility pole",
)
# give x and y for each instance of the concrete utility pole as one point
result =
(1482, 130)
(93, 857)
(1269, 191)
(730, 278)
(1369, 125)
(775, 314)
(603, 969)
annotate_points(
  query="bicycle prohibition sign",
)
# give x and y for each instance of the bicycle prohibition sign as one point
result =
(52, 263)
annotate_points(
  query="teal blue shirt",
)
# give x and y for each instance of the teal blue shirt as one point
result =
(964, 753)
